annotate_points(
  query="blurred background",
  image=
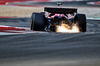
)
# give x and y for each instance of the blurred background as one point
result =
(48, 48)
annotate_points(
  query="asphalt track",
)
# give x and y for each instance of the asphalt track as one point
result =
(50, 49)
(65, 3)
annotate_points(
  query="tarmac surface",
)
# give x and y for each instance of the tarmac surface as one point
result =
(65, 3)
(49, 48)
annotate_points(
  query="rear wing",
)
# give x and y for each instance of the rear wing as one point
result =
(60, 10)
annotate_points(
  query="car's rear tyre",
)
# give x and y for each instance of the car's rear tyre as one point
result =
(37, 21)
(80, 20)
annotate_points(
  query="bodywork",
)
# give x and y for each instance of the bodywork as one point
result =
(59, 16)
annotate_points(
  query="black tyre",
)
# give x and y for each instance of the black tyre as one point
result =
(80, 20)
(38, 21)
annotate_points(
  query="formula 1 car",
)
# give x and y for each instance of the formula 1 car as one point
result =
(47, 20)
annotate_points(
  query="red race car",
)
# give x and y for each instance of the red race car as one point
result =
(51, 17)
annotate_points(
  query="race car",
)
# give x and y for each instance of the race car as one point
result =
(51, 17)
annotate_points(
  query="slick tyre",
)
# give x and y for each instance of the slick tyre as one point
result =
(38, 22)
(80, 20)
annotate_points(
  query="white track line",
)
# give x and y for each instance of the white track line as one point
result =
(5, 30)
(93, 18)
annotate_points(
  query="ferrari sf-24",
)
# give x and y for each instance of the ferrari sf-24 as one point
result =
(51, 17)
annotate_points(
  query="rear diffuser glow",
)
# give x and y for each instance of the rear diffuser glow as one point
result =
(62, 28)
